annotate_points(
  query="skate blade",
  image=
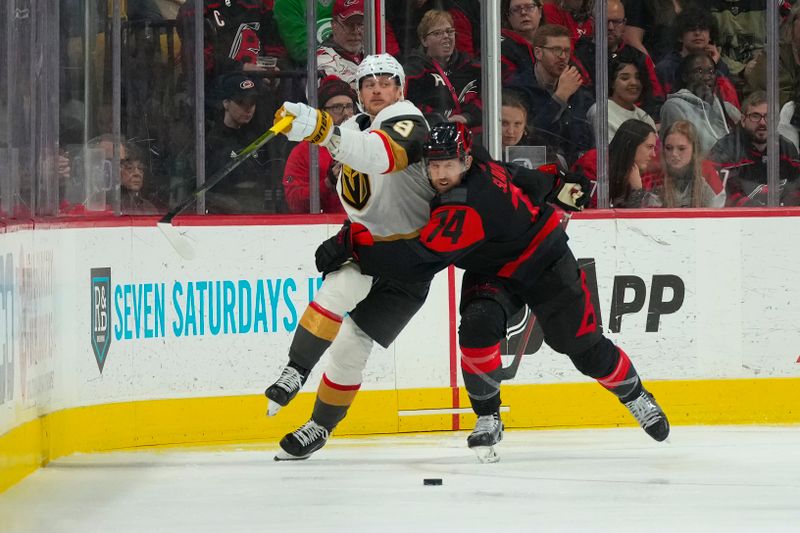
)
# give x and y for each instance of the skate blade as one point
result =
(283, 456)
(486, 454)
(273, 408)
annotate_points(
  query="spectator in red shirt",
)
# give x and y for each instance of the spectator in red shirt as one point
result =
(575, 15)
(340, 100)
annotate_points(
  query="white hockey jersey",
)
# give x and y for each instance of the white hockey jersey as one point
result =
(383, 184)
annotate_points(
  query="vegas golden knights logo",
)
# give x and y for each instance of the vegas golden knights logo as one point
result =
(355, 187)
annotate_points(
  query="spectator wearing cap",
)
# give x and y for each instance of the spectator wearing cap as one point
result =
(341, 53)
(243, 190)
(441, 79)
(339, 99)
(292, 25)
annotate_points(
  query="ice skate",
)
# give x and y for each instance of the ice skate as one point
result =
(649, 415)
(302, 442)
(488, 432)
(284, 389)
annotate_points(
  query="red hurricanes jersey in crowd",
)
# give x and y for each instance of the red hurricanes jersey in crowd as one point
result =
(236, 32)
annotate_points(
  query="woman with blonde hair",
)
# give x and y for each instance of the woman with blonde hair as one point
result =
(440, 78)
(685, 179)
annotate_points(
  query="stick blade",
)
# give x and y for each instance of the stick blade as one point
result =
(179, 243)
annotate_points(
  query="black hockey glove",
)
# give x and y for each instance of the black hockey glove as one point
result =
(339, 249)
(571, 191)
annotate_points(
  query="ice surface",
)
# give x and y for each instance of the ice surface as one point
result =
(743, 478)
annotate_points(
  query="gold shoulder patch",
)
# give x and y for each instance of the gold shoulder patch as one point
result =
(356, 189)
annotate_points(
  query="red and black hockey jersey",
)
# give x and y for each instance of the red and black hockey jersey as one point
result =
(486, 225)
(452, 89)
(516, 54)
(236, 32)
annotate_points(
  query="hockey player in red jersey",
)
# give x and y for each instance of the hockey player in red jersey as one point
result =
(514, 252)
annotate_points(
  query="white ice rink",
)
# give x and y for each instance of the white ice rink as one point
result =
(743, 478)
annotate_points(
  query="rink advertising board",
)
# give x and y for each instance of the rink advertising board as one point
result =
(107, 327)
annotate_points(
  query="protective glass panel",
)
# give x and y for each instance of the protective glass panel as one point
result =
(545, 94)
(88, 150)
(339, 43)
(6, 193)
(157, 119)
(248, 72)
(711, 63)
(18, 199)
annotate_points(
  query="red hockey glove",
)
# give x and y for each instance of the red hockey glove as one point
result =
(339, 249)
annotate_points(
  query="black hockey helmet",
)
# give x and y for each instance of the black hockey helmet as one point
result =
(448, 140)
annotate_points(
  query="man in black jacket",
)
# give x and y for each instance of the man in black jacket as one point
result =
(741, 159)
(557, 101)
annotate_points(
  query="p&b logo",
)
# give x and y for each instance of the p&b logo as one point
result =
(101, 315)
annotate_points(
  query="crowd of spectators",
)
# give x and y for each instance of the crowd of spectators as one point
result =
(677, 72)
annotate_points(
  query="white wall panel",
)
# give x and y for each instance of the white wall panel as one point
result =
(738, 319)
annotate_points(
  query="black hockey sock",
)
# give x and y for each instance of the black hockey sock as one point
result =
(315, 333)
(623, 381)
(486, 406)
(481, 369)
(333, 401)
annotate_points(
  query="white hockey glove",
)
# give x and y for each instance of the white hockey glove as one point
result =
(312, 125)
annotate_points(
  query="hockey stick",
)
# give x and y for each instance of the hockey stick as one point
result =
(508, 372)
(178, 241)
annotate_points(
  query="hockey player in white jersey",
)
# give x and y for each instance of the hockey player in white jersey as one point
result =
(384, 189)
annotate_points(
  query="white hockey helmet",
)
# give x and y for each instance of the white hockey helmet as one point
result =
(380, 64)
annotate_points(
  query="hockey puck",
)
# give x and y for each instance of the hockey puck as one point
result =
(432, 481)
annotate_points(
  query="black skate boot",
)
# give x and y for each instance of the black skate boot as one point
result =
(649, 415)
(488, 432)
(284, 389)
(302, 442)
